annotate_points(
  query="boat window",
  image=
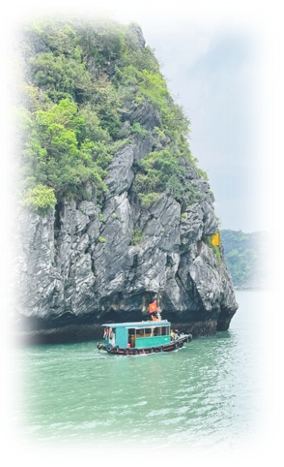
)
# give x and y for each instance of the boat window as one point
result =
(136, 332)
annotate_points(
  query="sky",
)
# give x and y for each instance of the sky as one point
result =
(215, 57)
(220, 66)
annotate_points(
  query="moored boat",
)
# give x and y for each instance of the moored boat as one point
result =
(141, 338)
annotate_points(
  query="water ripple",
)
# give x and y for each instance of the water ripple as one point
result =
(205, 391)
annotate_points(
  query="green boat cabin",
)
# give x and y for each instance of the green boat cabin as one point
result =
(138, 335)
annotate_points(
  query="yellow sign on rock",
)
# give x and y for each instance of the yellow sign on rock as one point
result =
(216, 239)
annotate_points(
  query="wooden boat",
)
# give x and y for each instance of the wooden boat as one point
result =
(141, 338)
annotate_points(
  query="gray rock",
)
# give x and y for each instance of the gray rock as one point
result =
(120, 173)
(86, 264)
(211, 224)
(137, 33)
(145, 114)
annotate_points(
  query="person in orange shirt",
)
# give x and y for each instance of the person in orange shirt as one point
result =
(154, 318)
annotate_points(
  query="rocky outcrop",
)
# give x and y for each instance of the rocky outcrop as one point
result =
(94, 260)
(85, 264)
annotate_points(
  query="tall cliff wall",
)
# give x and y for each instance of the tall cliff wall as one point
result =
(88, 260)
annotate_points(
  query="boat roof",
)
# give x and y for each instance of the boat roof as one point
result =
(137, 325)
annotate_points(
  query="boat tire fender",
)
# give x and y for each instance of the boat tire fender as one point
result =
(109, 347)
(126, 351)
(161, 349)
(189, 338)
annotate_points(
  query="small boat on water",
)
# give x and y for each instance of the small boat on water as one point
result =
(141, 338)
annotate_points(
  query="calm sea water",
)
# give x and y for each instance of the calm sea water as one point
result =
(210, 393)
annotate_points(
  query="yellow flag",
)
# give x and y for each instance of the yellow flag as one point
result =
(216, 239)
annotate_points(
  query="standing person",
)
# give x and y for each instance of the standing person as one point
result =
(111, 337)
(173, 335)
(155, 317)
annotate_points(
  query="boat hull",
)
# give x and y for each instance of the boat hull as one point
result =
(172, 345)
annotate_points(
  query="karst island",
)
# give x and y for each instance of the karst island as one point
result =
(114, 212)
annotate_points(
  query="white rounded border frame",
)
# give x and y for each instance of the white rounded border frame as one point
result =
(266, 15)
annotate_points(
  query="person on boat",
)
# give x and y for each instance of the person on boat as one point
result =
(154, 317)
(111, 337)
(177, 332)
(173, 335)
(105, 333)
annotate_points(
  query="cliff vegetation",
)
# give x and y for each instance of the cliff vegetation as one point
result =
(81, 81)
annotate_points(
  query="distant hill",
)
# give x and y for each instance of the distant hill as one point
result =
(244, 255)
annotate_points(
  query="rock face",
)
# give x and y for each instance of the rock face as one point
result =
(84, 264)
(93, 260)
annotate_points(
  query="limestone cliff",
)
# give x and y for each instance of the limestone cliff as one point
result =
(79, 262)
(86, 261)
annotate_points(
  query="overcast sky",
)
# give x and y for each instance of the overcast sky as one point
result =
(214, 56)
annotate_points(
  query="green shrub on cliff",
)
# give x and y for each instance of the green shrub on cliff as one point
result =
(208, 240)
(161, 171)
(58, 152)
(61, 76)
(137, 237)
(147, 199)
(41, 199)
(100, 34)
(14, 79)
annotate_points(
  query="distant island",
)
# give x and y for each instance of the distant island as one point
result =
(244, 255)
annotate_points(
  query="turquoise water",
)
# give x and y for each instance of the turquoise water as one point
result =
(208, 393)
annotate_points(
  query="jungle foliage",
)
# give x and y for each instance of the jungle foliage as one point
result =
(78, 79)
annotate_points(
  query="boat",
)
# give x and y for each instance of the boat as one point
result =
(143, 337)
